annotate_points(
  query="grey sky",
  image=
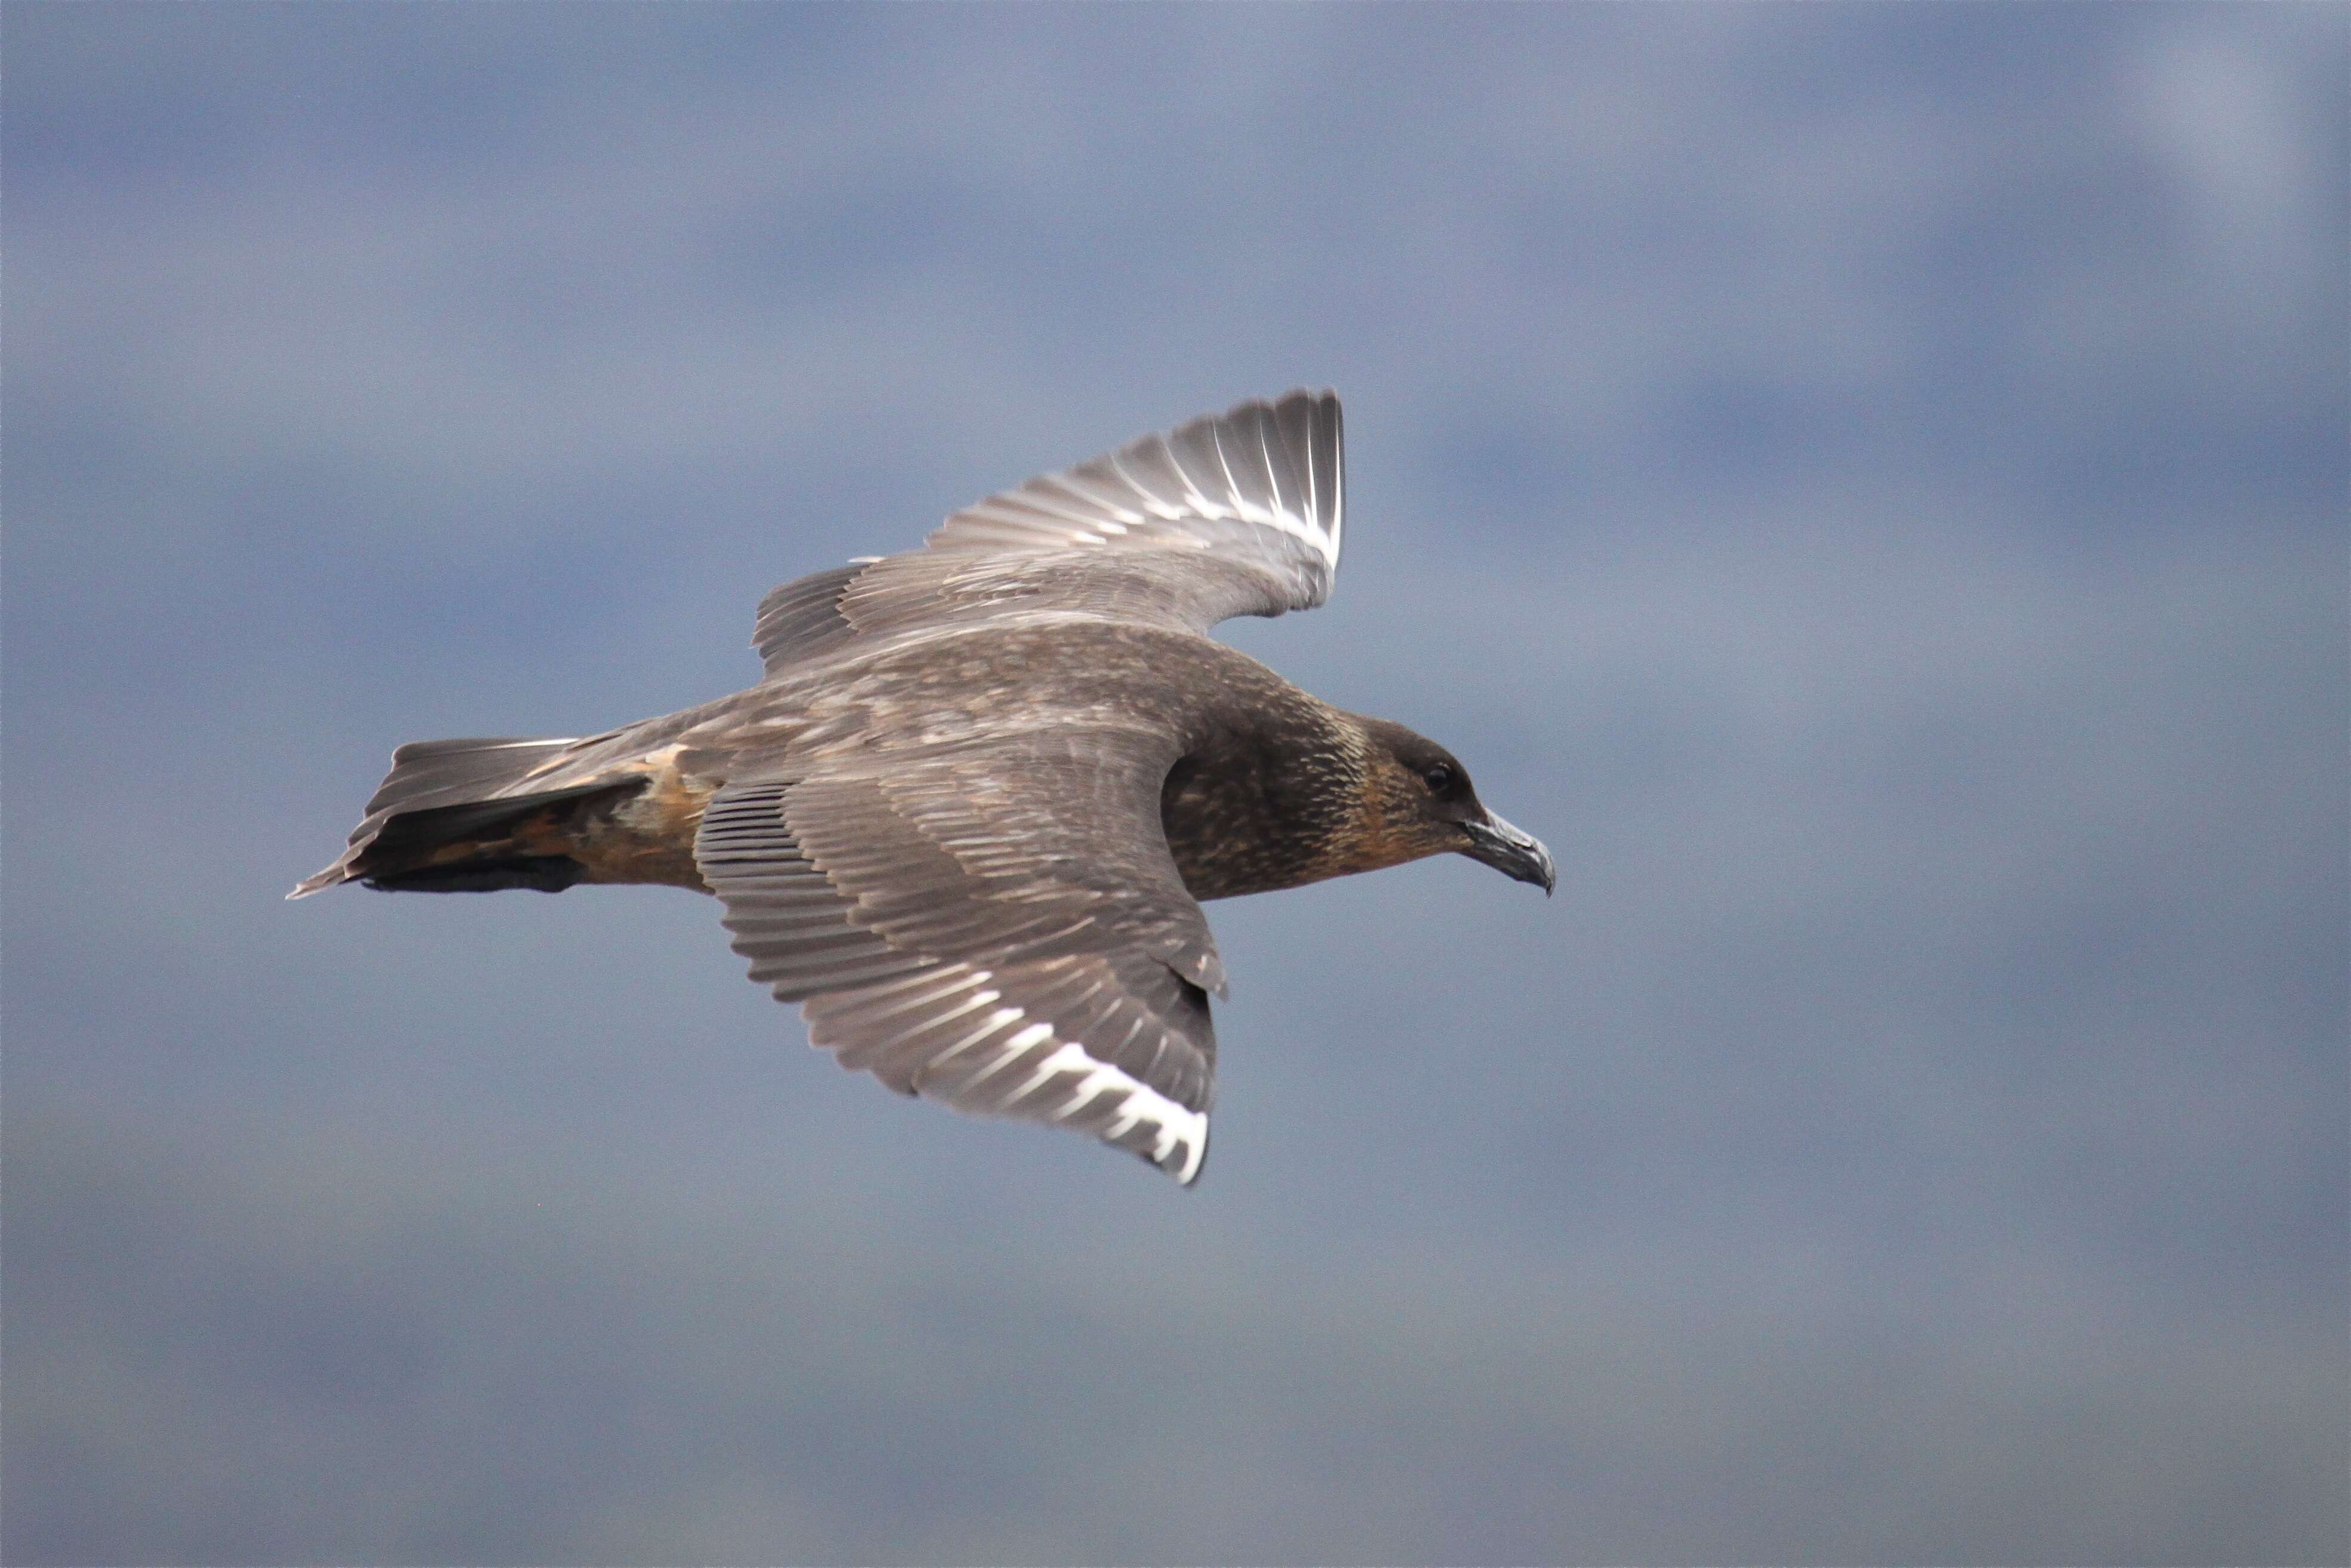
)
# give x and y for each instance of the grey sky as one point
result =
(1867, 484)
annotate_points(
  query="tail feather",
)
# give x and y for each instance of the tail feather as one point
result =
(445, 793)
(456, 772)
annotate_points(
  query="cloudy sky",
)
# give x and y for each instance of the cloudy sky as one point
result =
(1867, 484)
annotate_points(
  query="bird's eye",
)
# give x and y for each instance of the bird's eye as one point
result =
(1438, 778)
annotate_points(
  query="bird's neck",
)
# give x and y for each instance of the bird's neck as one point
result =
(1277, 806)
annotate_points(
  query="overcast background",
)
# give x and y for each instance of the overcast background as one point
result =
(1867, 484)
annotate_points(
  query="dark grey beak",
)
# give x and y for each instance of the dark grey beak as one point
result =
(1511, 851)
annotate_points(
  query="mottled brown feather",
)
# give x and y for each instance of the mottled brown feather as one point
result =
(968, 817)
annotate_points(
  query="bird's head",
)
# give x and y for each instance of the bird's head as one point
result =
(1418, 801)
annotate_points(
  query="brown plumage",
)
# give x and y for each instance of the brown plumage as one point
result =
(968, 817)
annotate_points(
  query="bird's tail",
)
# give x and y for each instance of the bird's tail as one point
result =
(459, 816)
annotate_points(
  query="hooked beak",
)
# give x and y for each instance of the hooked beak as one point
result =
(1513, 853)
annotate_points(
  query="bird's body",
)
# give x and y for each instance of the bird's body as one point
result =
(968, 817)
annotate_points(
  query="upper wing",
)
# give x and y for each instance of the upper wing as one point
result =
(1234, 514)
(1000, 928)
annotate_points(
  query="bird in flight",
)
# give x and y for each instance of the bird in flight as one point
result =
(968, 817)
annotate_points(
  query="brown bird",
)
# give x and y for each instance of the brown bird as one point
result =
(966, 816)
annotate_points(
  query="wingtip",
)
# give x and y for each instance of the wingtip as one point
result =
(1185, 1170)
(1301, 393)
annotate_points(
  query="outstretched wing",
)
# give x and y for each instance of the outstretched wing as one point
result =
(1001, 928)
(1234, 514)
